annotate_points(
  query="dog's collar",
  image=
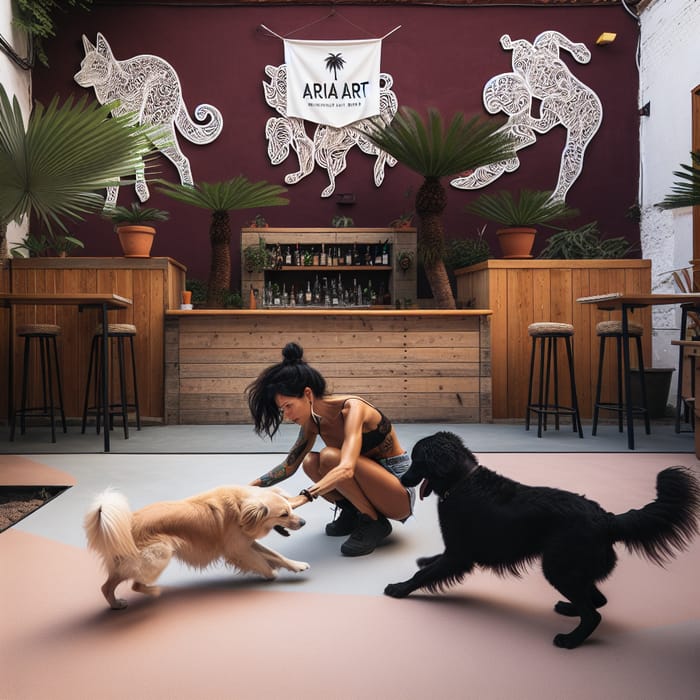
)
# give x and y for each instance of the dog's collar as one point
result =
(451, 490)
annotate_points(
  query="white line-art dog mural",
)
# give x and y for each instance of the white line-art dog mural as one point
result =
(330, 145)
(149, 86)
(539, 73)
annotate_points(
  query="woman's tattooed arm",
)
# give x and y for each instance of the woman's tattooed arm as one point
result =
(281, 471)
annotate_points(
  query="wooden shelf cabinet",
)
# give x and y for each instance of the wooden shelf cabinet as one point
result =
(388, 282)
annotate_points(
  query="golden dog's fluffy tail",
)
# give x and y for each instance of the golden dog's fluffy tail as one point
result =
(108, 527)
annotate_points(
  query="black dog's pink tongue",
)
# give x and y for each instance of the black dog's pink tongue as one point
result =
(424, 489)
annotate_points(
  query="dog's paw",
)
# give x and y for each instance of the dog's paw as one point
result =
(397, 590)
(565, 608)
(298, 566)
(118, 604)
(566, 641)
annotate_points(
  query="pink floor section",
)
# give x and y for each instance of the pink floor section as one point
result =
(487, 638)
(22, 471)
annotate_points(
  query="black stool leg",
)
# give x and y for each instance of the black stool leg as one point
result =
(574, 395)
(59, 386)
(596, 403)
(529, 386)
(620, 393)
(136, 391)
(540, 414)
(122, 386)
(643, 383)
(47, 384)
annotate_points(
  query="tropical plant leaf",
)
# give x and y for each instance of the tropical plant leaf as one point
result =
(56, 166)
(429, 148)
(238, 193)
(686, 191)
(528, 208)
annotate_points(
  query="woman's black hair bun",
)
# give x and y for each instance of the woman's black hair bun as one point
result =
(292, 353)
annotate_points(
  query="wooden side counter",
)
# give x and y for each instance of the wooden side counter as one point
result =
(521, 292)
(416, 365)
(154, 285)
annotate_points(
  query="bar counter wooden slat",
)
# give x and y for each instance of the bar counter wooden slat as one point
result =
(154, 285)
(520, 292)
(416, 365)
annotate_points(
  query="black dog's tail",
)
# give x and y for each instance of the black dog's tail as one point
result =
(665, 525)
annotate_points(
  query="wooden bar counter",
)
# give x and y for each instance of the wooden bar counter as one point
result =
(154, 285)
(521, 292)
(416, 365)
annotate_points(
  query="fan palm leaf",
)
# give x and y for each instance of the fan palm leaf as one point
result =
(220, 198)
(435, 150)
(686, 191)
(55, 167)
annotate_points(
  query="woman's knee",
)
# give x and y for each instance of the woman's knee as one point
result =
(329, 457)
(311, 466)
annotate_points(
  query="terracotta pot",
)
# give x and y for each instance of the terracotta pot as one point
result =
(516, 242)
(136, 240)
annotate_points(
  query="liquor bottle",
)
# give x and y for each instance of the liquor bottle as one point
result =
(317, 291)
(293, 297)
(325, 293)
(371, 293)
(340, 290)
(297, 256)
(348, 256)
(356, 260)
(323, 260)
(378, 254)
(314, 257)
(288, 256)
(368, 257)
(283, 299)
(385, 253)
(252, 304)
(307, 296)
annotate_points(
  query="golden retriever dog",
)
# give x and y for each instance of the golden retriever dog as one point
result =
(223, 523)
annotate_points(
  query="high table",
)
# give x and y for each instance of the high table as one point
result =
(626, 303)
(103, 301)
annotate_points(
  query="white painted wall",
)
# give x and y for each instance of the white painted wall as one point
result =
(669, 70)
(16, 82)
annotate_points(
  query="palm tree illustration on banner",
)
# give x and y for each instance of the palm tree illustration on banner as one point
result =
(335, 62)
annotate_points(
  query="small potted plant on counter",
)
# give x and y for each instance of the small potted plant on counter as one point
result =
(131, 225)
(518, 216)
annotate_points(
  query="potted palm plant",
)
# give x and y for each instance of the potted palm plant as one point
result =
(435, 150)
(53, 168)
(131, 225)
(518, 216)
(220, 198)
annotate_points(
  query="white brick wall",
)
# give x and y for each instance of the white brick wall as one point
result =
(669, 70)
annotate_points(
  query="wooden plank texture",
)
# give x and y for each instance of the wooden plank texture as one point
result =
(426, 367)
(153, 284)
(520, 292)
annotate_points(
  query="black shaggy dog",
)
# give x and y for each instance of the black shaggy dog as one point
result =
(491, 521)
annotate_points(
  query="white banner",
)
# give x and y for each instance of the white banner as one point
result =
(333, 82)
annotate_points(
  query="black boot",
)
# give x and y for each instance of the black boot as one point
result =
(344, 523)
(366, 536)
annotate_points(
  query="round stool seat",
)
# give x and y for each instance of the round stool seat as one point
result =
(549, 328)
(39, 329)
(615, 328)
(117, 329)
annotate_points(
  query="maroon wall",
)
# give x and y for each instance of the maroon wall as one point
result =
(441, 56)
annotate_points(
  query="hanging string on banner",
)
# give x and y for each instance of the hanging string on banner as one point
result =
(282, 38)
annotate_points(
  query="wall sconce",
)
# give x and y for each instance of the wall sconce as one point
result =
(346, 198)
(606, 38)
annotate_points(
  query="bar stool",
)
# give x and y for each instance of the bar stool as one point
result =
(548, 334)
(685, 404)
(613, 329)
(117, 334)
(43, 335)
